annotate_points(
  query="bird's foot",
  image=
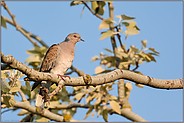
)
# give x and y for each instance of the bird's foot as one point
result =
(63, 76)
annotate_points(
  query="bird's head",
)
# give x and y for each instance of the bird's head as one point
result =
(75, 37)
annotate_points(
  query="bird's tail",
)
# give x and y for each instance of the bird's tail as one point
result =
(35, 85)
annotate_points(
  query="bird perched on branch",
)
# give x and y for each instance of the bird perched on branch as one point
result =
(57, 60)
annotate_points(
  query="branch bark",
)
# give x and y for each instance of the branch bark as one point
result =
(95, 80)
(124, 112)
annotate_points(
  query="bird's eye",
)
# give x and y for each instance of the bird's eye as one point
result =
(75, 36)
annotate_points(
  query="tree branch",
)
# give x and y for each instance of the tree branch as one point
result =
(124, 112)
(97, 15)
(14, 23)
(95, 80)
(27, 106)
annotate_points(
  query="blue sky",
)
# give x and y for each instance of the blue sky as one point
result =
(161, 23)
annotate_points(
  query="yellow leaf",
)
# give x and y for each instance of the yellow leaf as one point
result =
(115, 106)
(92, 115)
(131, 31)
(67, 117)
(14, 89)
(144, 42)
(139, 85)
(106, 34)
(89, 98)
(28, 86)
(98, 101)
(79, 96)
(94, 5)
(32, 59)
(53, 104)
(109, 1)
(113, 97)
(22, 112)
(129, 86)
(98, 70)
(94, 58)
(129, 24)
(76, 3)
(105, 23)
(89, 112)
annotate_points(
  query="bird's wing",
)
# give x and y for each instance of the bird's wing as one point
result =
(50, 58)
(49, 61)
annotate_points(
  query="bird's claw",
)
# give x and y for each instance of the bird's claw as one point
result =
(63, 76)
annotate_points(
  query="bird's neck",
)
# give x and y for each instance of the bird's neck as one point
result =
(69, 46)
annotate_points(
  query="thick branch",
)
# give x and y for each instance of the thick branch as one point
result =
(27, 106)
(95, 80)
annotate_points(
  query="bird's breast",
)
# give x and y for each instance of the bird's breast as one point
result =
(62, 64)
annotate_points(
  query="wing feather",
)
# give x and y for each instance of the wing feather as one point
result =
(48, 62)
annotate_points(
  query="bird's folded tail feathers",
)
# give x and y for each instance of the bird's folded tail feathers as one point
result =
(35, 85)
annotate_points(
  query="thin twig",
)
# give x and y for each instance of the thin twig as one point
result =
(97, 15)
(119, 38)
(137, 66)
(14, 23)
(124, 112)
(6, 111)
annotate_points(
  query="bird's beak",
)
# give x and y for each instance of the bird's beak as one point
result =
(82, 40)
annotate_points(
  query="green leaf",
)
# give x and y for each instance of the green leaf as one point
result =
(145, 57)
(144, 42)
(151, 57)
(28, 86)
(100, 9)
(124, 17)
(3, 22)
(9, 100)
(152, 49)
(27, 92)
(106, 34)
(108, 50)
(105, 115)
(134, 49)
(115, 106)
(94, 5)
(4, 85)
(105, 23)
